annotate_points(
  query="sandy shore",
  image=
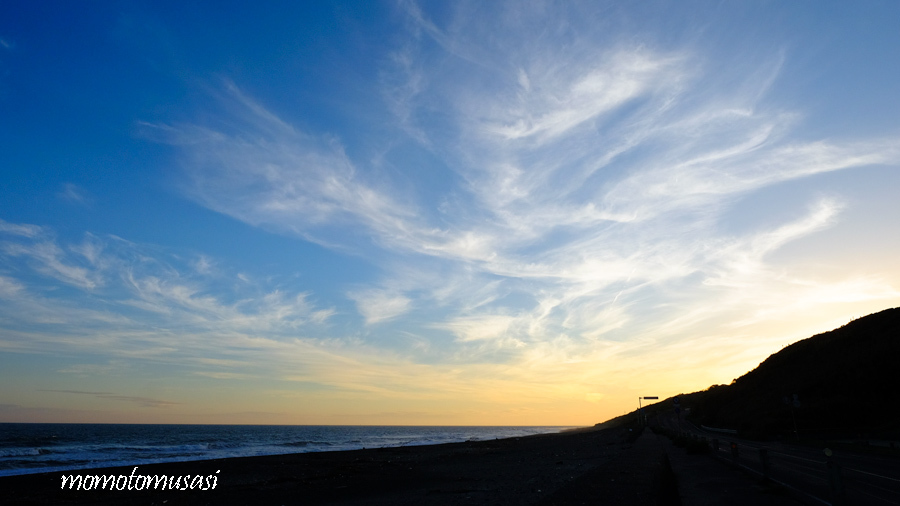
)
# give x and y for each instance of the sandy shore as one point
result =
(590, 467)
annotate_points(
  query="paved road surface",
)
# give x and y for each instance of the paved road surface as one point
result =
(866, 479)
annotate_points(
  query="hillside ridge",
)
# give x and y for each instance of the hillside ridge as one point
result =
(840, 382)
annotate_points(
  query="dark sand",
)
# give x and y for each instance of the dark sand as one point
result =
(584, 467)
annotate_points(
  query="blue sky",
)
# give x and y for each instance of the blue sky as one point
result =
(432, 212)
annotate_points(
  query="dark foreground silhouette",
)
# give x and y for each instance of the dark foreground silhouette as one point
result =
(592, 467)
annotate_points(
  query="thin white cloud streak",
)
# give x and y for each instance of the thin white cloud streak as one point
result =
(74, 193)
(742, 261)
(49, 259)
(189, 305)
(10, 288)
(738, 170)
(380, 305)
(555, 105)
(141, 401)
(21, 230)
(481, 327)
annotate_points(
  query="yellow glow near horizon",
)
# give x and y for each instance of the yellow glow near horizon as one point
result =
(581, 391)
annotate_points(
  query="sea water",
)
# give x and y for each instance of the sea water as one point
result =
(49, 447)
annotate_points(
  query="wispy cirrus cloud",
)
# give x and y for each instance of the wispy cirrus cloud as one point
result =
(21, 230)
(10, 288)
(554, 102)
(73, 193)
(145, 402)
(592, 173)
(380, 305)
(136, 301)
(49, 259)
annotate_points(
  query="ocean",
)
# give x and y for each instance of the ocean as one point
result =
(48, 447)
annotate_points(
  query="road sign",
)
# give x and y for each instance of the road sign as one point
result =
(676, 401)
(653, 397)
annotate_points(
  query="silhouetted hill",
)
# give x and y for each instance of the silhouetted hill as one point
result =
(846, 382)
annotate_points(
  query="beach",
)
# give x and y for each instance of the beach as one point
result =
(587, 466)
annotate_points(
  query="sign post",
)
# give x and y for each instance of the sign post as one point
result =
(643, 418)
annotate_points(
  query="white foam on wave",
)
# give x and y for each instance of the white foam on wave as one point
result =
(21, 452)
(133, 445)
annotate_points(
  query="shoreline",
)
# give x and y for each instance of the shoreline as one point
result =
(522, 470)
(252, 450)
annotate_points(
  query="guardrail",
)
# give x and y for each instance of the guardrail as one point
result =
(720, 431)
(822, 478)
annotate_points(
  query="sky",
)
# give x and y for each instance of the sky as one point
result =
(432, 213)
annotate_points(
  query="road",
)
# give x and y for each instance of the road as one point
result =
(864, 479)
